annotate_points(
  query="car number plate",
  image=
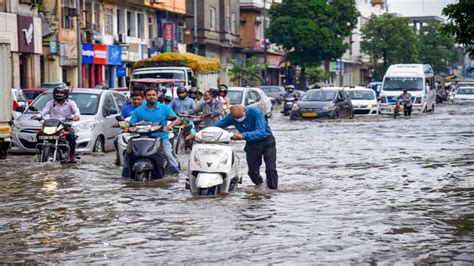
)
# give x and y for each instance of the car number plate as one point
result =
(48, 137)
(310, 115)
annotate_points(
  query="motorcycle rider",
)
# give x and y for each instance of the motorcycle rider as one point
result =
(60, 107)
(406, 100)
(223, 98)
(211, 110)
(183, 102)
(157, 113)
(254, 129)
(290, 93)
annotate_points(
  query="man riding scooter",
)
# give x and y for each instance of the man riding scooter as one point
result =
(288, 99)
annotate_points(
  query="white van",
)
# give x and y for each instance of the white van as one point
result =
(418, 79)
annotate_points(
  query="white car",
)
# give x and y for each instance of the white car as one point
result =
(250, 96)
(94, 130)
(464, 95)
(18, 102)
(363, 100)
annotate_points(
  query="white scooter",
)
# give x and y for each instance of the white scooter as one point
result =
(213, 165)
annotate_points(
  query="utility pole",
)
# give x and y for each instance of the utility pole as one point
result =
(195, 41)
(265, 46)
(79, 44)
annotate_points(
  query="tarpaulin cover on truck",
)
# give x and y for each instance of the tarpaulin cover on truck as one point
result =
(198, 64)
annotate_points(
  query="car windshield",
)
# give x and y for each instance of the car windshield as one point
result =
(361, 95)
(20, 96)
(161, 75)
(86, 102)
(467, 91)
(400, 83)
(50, 85)
(319, 96)
(235, 97)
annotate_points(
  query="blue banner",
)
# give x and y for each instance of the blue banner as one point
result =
(153, 51)
(87, 53)
(114, 54)
(121, 72)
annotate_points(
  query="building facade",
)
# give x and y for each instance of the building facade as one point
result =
(21, 25)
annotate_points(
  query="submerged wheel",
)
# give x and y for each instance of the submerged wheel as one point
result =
(98, 145)
(203, 191)
(180, 143)
(45, 154)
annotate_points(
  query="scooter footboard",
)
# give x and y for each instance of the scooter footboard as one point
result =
(207, 180)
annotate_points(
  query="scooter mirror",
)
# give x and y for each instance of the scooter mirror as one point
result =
(119, 118)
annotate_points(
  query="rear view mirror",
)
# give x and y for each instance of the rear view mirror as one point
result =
(32, 108)
(119, 118)
(20, 109)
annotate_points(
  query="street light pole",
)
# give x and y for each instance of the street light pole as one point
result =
(79, 44)
(265, 47)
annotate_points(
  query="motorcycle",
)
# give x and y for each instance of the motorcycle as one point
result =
(54, 145)
(213, 165)
(182, 143)
(397, 109)
(288, 104)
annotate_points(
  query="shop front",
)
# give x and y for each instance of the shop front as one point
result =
(99, 64)
(27, 60)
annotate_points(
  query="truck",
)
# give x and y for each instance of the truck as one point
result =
(196, 71)
(5, 97)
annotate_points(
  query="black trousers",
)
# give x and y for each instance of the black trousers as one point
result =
(255, 151)
(407, 110)
(71, 139)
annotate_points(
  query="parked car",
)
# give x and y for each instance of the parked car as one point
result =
(18, 102)
(95, 133)
(250, 97)
(464, 95)
(330, 102)
(363, 100)
(32, 93)
(274, 92)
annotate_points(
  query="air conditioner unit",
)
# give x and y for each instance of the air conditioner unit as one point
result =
(157, 1)
(157, 42)
(122, 38)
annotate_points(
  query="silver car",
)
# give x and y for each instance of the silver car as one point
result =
(248, 96)
(94, 129)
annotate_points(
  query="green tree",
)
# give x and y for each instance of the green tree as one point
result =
(247, 74)
(389, 37)
(460, 23)
(311, 31)
(316, 74)
(437, 47)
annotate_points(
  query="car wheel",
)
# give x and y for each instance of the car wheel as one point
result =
(98, 145)
(433, 108)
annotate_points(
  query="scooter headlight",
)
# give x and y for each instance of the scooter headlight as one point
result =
(196, 159)
(295, 107)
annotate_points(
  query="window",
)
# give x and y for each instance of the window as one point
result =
(97, 18)
(121, 21)
(68, 11)
(131, 24)
(252, 97)
(151, 28)
(109, 106)
(119, 100)
(141, 25)
(109, 30)
(233, 23)
(212, 18)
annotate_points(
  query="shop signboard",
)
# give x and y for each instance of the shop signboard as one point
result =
(26, 43)
(100, 54)
(168, 37)
(121, 72)
(87, 53)
(114, 54)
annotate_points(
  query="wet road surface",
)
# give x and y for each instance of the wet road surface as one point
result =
(367, 190)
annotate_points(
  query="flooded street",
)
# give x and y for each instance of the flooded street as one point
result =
(366, 190)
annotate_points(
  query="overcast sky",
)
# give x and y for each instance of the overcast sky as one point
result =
(418, 7)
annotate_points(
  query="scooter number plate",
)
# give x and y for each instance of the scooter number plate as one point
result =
(48, 137)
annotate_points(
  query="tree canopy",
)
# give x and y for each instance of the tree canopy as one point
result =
(389, 37)
(437, 47)
(247, 74)
(460, 23)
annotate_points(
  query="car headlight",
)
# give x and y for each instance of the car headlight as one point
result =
(295, 107)
(16, 126)
(369, 106)
(418, 99)
(328, 108)
(86, 126)
(383, 99)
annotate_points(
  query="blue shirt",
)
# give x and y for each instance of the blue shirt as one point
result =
(156, 116)
(128, 110)
(253, 128)
(181, 105)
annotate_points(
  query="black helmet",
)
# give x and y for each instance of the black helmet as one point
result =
(180, 92)
(289, 87)
(60, 89)
(223, 89)
(214, 92)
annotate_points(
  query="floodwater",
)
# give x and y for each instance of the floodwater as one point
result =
(366, 190)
